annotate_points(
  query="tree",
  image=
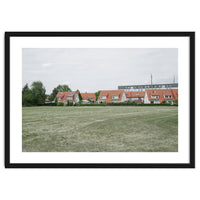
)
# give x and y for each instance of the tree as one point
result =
(56, 101)
(25, 89)
(97, 94)
(27, 96)
(47, 96)
(79, 96)
(38, 92)
(59, 88)
(63, 88)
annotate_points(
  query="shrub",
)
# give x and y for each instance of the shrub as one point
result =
(175, 102)
(60, 104)
(69, 103)
(48, 104)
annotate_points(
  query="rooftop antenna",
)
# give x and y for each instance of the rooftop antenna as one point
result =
(151, 79)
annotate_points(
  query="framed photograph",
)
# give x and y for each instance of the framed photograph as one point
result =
(99, 99)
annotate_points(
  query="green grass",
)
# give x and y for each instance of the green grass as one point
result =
(100, 129)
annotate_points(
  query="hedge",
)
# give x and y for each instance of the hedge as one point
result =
(101, 104)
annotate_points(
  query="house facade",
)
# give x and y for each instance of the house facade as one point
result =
(137, 97)
(109, 96)
(71, 96)
(86, 97)
(156, 96)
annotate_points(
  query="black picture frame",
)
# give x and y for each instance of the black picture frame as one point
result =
(190, 35)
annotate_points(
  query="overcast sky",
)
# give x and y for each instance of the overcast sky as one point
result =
(93, 69)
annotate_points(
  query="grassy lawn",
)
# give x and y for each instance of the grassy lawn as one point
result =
(100, 129)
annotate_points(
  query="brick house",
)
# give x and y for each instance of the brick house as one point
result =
(109, 96)
(71, 96)
(157, 96)
(90, 96)
(137, 97)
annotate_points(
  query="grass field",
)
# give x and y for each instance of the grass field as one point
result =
(100, 129)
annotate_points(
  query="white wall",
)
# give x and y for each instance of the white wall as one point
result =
(146, 99)
(123, 97)
(76, 98)
(90, 15)
(133, 99)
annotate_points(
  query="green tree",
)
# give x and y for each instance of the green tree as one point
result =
(59, 88)
(47, 96)
(56, 101)
(79, 96)
(27, 96)
(63, 88)
(97, 95)
(25, 89)
(38, 92)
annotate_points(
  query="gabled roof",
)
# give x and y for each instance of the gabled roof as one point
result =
(175, 93)
(109, 93)
(135, 94)
(71, 94)
(61, 94)
(87, 96)
(161, 93)
(64, 95)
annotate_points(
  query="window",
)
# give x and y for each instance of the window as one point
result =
(59, 98)
(69, 98)
(103, 97)
(61, 93)
(137, 94)
(115, 97)
(168, 96)
(155, 96)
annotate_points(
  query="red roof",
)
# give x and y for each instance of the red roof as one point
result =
(109, 94)
(161, 93)
(64, 95)
(87, 96)
(135, 94)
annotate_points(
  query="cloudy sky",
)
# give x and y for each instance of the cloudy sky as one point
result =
(93, 69)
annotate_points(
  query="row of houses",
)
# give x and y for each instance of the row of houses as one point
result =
(149, 96)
